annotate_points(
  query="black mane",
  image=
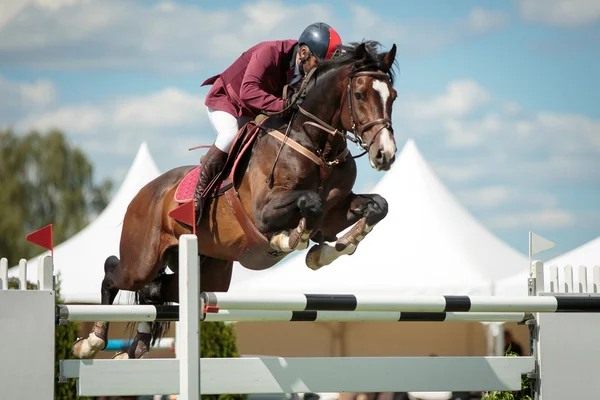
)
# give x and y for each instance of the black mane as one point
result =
(345, 56)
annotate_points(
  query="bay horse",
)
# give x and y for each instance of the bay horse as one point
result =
(280, 191)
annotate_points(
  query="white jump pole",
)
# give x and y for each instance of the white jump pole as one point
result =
(400, 303)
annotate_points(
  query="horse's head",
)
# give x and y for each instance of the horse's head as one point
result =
(354, 91)
(369, 98)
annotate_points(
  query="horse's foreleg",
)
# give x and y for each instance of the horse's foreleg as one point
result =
(281, 210)
(98, 338)
(364, 211)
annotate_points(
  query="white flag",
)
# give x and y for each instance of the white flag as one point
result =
(537, 244)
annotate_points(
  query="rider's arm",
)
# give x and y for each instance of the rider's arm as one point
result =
(259, 68)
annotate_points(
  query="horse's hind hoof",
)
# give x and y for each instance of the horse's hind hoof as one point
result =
(313, 257)
(85, 348)
(121, 355)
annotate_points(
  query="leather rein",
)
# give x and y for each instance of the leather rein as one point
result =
(316, 122)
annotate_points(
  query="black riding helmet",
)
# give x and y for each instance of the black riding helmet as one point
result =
(321, 39)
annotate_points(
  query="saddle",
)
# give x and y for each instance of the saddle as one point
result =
(256, 252)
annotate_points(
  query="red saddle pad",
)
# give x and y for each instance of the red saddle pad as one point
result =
(187, 186)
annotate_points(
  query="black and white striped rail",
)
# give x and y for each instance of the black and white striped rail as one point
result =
(361, 316)
(149, 313)
(400, 303)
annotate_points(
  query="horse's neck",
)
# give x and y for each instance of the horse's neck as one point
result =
(325, 104)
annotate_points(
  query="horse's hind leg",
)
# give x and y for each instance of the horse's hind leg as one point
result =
(279, 213)
(148, 332)
(215, 275)
(367, 209)
(98, 338)
(157, 292)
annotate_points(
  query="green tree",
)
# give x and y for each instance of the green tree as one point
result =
(217, 340)
(44, 180)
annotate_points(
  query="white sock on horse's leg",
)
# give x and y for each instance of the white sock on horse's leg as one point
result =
(144, 327)
(324, 254)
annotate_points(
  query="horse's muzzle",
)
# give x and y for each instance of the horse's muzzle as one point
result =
(383, 153)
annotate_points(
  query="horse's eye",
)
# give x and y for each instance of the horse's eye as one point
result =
(358, 95)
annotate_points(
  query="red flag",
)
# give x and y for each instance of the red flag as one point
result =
(42, 237)
(185, 213)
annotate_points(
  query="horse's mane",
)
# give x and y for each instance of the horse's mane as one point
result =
(345, 56)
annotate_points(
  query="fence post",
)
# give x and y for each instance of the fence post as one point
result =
(189, 319)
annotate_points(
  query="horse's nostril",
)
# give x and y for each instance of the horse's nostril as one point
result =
(379, 155)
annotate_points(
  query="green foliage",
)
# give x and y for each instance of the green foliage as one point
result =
(44, 180)
(217, 340)
(523, 394)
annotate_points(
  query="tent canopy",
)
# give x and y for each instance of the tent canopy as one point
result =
(80, 259)
(427, 244)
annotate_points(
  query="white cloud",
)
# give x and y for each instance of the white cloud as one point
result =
(560, 13)
(169, 107)
(74, 34)
(102, 34)
(17, 98)
(420, 36)
(470, 134)
(533, 220)
(499, 137)
(36, 94)
(73, 119)
(117, 127)
(457, 172)
(482, 20)
(495, 196)
(461, 98)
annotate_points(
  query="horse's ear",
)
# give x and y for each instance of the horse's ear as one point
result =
(360, 54)
(388, 59)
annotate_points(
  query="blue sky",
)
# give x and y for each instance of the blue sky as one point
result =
(502, 98)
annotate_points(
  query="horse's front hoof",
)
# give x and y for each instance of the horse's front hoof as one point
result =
(88, 347)
(313, 257)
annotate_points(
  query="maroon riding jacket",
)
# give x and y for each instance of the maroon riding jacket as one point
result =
(255, 81)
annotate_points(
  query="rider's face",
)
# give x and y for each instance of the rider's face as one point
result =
(310, 63)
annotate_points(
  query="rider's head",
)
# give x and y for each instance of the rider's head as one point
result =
(318, 42)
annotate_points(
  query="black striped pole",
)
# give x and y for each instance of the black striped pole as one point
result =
(399, 303)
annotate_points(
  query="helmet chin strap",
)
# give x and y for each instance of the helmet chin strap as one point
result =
(303, 60)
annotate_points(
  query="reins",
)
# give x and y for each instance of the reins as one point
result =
(320, 124)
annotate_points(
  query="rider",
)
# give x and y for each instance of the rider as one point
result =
(253, 84)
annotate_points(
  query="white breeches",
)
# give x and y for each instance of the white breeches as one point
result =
(226, 126)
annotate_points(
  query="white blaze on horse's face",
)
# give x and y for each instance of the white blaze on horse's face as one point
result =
(388, 145)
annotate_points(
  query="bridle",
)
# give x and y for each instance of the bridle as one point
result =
(316, 122)
(357, 131)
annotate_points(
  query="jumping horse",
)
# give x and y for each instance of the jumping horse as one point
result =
(288, 180)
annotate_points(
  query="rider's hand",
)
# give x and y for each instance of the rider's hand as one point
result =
(296, 99)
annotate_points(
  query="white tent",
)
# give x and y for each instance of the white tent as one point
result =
(427, 244)
(80, 259)
(587, 255)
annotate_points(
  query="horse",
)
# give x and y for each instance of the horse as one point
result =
(279, 192)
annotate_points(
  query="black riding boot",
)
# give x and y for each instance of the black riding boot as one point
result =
(210, 166)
